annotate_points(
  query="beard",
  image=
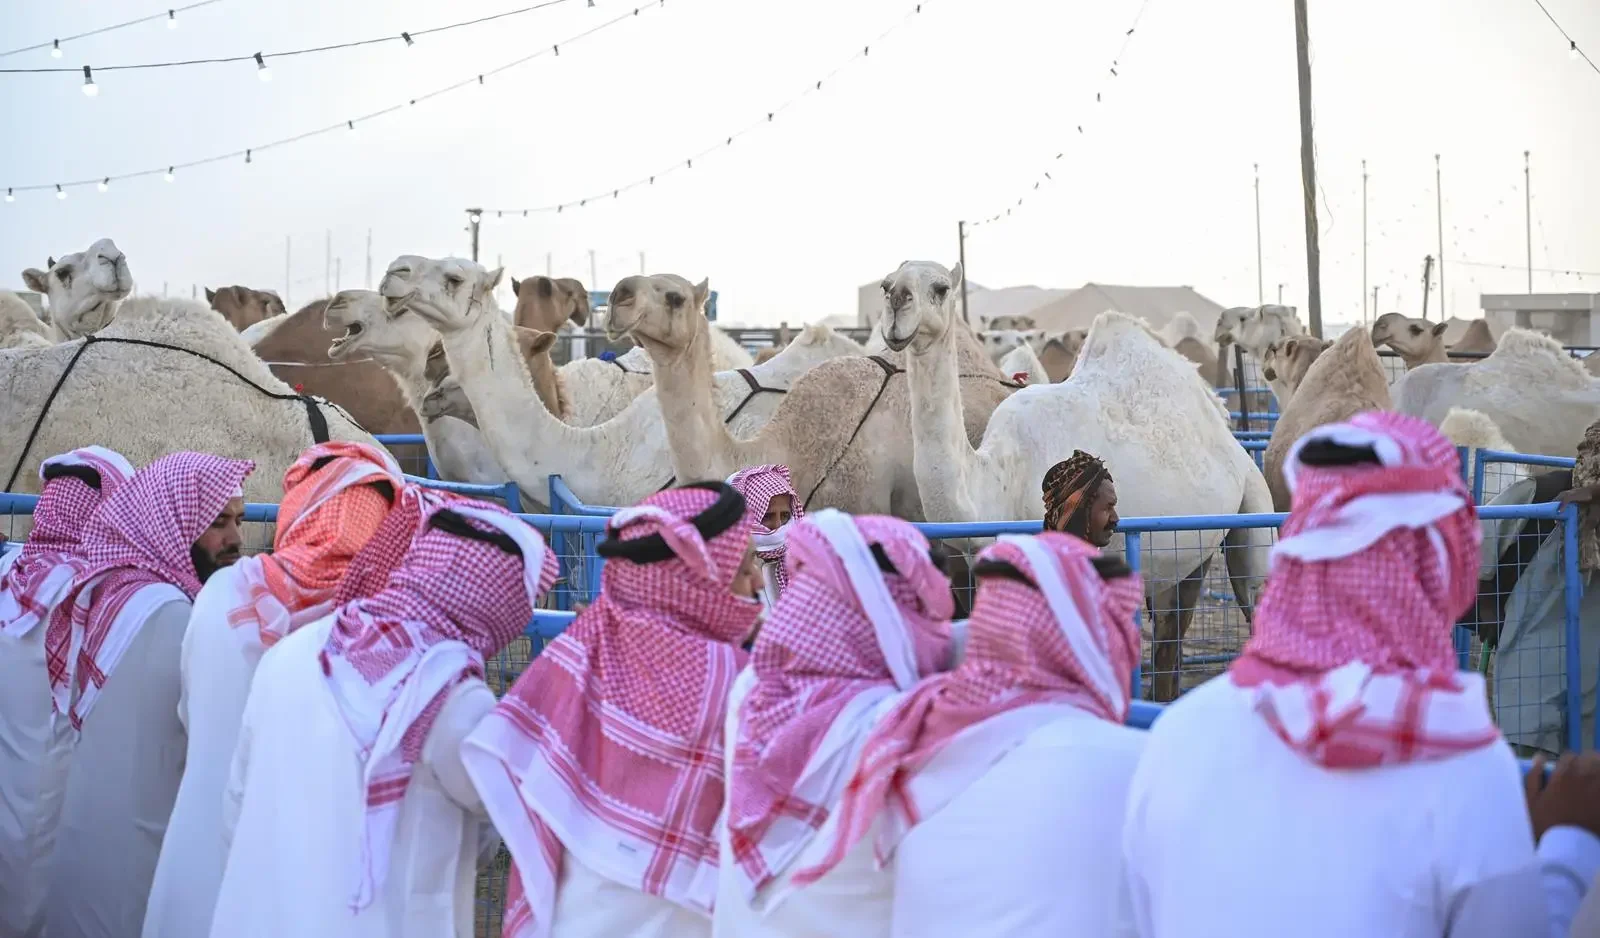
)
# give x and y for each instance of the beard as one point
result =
(205, 564)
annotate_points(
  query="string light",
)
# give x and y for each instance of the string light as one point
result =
(262, 72)
(726, 140)
(352, 126)
(1111, 73)
(169, 175)
(171, 16)
(60, 193)
(1573, 52)
(105, 184)
(348, 125)
(10, 196)
(408, 37)
(90, 89)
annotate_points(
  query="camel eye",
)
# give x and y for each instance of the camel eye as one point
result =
(63, 273)
(941, 290)
(453, 280)
(1416, 330)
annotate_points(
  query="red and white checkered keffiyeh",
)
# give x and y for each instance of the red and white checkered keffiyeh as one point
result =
(392, 658)
(1351, 660)
(759, 485)
(326, 517)
(610, 745)
(45, 568)
(139, 536)
(844, 638)
(1069, 638)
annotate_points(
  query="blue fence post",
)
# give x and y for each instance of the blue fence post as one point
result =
(558, 543)
(1477, 479)
(1131, 545)
(1572, 600)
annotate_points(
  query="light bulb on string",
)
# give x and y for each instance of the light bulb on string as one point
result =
(105, 184)
(60, 192)
(352, 126)
(90, 89)
(1572, 50)
(169, 176)
(172, 19)
(10, 196)
(55, 48)
(262, 71)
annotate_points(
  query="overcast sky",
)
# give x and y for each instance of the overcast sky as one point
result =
(952, 117)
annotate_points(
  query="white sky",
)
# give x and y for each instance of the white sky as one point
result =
(952, 117)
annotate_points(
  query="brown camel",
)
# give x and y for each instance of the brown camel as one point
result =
(244, 307)
(1344, 380)
(544, 304)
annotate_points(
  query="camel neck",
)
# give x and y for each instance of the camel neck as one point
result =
(940, 452)
(695, 433)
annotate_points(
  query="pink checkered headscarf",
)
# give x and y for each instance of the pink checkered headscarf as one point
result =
(610, 745)
(759, 485)
(1351, 659)
(392, 658)
(843, 641)
(139, 536)
(44, 569)
(1066, 636)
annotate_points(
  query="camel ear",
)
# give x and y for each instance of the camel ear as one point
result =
(516, 285)
(36, 280)
(211, 295)
(957, 275)
(580, 304)
(702, 293)
(533, 341)
(1439, 329)
(49, 262)
(492, 279)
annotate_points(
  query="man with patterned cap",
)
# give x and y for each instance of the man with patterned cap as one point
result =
(1080, 499)
(996, 788)
(112, 649)
(33, 581)
(348, 812)
(603, 766)
(1343, 778)
(774, 503)
(865, 617)
(334, 498)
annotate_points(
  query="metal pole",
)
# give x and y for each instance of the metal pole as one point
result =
(641, 264)
(550, 266)
(368, 283)
(1427, 281)
(1438, 192)
(1280, 294)
(163, 288)
(1374, 302)
(961, 250)
(594, 272)
(287, 283)
(338, 274)
(1527, 192)
(1308, 170)
(474, 220)
(327, 264)
(1364, 311)
(1261, 288)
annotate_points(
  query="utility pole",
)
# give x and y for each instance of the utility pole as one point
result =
(338, 274)
(287, 282)
(1527, 212)
(1438, 193)
(1261, 290)
(474, 220)
(1427, 282)
(641, 264)
(594, 272)
(1374, 302)
(327, 264)
(1308, 170)
(1364, 244)
(368, 283)
(961, 251)
(550, 267)
(1280, 294)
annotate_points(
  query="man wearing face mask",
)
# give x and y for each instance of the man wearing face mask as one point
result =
(773, 500)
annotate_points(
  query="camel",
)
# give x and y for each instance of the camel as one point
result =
(146, 402)
(20, 327)
(806, 434)
(1060, 354)
(244, 307)
(1343, 381)
(1002, 342)
(1019, 323)
(1254, 328)
(1131, 401)
(83, 289)
(1022, 361)
(544, 304)
(767, 354)
(402, 346)
(1285, 364)
(1539, 396)
(617, 462)
(1420, 342)
(1474, 431)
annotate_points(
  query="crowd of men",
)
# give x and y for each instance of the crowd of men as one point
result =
(765, 725)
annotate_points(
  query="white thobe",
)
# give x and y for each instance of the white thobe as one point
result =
(217, 668)
(1032, 846)
(34, 751)
(295, 811)
(853, 900)
(124, 773)
(1231, 832)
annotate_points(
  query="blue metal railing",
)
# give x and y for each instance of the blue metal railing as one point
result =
(1488, 456)
(409, 439)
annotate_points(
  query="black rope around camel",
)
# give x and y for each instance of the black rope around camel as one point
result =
(314, 415)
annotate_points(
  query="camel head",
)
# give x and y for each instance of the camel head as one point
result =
(1001, 342)
(1290, 359)
(1414, 339)
(919, 304)
(663, 313)
(1256, 327)
(1229, 323)
(1019, 323)
(446, 398)
(544, 304)
(449, 293)
(399, 343)
(244, 307)
(84, 288)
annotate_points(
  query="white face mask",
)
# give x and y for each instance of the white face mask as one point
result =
(774, 541)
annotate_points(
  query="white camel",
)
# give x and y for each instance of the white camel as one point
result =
(1022, 361)
(1255, 328)
(1539, 396)
(615, 463)
(1131, 401)
(145, 402)
(20, 327)
(83, 289)
(1002, 342)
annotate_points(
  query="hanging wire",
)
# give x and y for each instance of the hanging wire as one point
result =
(722, 143)
(405, 37)
(169, 14)
(348, 124)
(1045, 176)
(1572, 44)
(1537, 270)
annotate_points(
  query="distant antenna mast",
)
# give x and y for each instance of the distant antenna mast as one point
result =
(1427, 278)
